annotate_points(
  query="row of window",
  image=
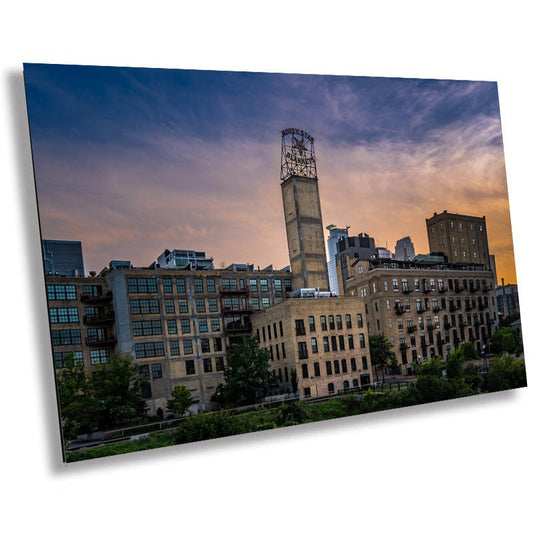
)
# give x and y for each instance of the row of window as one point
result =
(365, 380)
(202, 285)
(96, 356)
(144, 328)
(331, 322)
(427, 285)
(334, 367)
(333, 343)
(177, 347)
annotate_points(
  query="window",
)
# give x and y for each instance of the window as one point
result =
(219, 364)
(215, 324)
(314, 345)
(146, 327)
(395, 286)
(350, 342)
(59, 358)
(328, 368)
(64, 315)
(277, 285)
(300, 327)
(65, 337)
(157, 371)
(311, 323)
(208, 365)
(264, 285)
(185, 325)
(353, 364)
(174, 348)
(180, 285)
(169, 307)
(205, 345)
(359, 320)
(348, 320)
(333, 343)
(200, 305)
(317, 369)
(172, 327)
(144, 307)
(331, 320)
(210, 282)
(213, 305)
(336, 367)
(61, 292)
(187, 346)
(167, 285)
(217, 342)
(202, 325)
(283, 350)
(302, 350)
(280, 328)
(253, 285)
(323, 323)
(361, 340)
(365, 363)
(341, 342)
(136, 285)
(148, 349)
(99, 356)
(183, 306)
(338, 318)
(265, 302)
(385, 285)
(305, 372)
(344, 366)
(326, 344)
(190, 368)
(198, 285)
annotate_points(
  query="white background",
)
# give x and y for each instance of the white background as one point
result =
(457, 466)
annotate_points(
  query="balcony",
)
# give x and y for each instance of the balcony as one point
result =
(104, 318)
(100, 341)
(430, 327)
(411, 329)
(436, 308)
(237, 309)
(233, 290)
(403, 346)
(420, 309)
(406, 289)
(235, 327)
(399, 309)
(447, 325)
(443, 289)
(97, 298)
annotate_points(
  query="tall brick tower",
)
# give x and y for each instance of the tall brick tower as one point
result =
(301, 205)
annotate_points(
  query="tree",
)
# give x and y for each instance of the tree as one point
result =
(294, 380)
(109, 395)
(506, 373)
(506, 339)
(454, 364)
(181, 401)
(381, 354)
(468, 350)
(247, 374)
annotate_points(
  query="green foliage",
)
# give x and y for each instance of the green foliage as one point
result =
(506, 373)
(454, 364)
(468, 350)
(106, 397)
(247, 375)
(381, 353)
(472, 377)
(181, 400)
(433, 367)
(509, 319)
(290, 414)
(294, 380)
(505, 339)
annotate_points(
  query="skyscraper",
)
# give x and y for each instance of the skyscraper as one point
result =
(63, 258)
(301, 206)
(335, 234)
(404, 250)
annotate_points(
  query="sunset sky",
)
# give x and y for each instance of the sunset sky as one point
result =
(132, 161)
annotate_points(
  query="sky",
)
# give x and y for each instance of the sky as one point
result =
(131, 161)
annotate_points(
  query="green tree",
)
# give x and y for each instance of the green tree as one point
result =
(381, 354)
(181, 400)
(505, 373)
(108, 396)
(294, 380)
(506, 339)
(468, 350)
(454, 364)
(247, 374)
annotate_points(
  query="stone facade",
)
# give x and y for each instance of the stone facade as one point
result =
(324, 339)
(424, 311)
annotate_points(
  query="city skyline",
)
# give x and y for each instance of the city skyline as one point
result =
(132, 161)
